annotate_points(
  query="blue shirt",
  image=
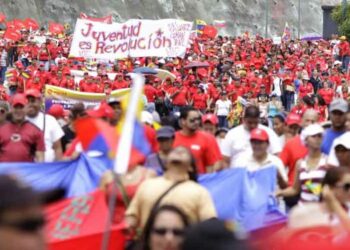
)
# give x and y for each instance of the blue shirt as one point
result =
(328, 139)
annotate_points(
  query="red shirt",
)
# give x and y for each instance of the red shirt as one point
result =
(31, 84)
(305, 89)
(18, 141)
(327, 95)
(291, 153)
(89, 87)
(200, 101)
(299, 110)
(150, 93)
(180, 98)
(120, 85)
(203, 147)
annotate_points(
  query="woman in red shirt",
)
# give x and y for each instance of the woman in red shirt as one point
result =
(200, 100)
(305, 88)
(327, 93)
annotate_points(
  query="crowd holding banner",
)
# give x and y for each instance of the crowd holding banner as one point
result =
(230, 127)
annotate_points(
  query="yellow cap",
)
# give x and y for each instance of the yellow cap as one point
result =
(342, 38)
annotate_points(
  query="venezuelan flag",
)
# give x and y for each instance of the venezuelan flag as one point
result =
(286, 33)
(133, 146)
(200, 24)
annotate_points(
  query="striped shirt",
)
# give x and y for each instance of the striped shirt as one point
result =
(3, 58)
(311, 180)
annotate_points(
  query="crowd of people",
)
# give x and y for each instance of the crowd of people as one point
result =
(245, 103)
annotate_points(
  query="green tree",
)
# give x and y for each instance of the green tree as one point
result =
(342, 20)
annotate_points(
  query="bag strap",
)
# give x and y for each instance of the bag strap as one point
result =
(156, 204)
(126, 199)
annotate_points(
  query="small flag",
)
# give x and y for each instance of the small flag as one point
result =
(2, 17)
(286, 33)
(209, 31)
(31, 23)
(219, 23)
(200, 24)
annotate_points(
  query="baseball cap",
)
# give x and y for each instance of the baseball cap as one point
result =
(311, 130)
(259, 135)
(19, 99)
(343, 140)
(16, 194)
(57, 111)
(146, 117)
(293, 119)
(166, 132)
(102, 111)
(212, 234)
(33, 92)
(210, 118)
(339, 104)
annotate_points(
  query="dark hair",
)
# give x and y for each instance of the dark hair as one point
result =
(252, 112)
(280, 117)
(334, 175)
(185, 111)
(152, 218)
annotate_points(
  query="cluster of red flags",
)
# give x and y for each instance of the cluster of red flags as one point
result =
(56, 28)
(105, 19)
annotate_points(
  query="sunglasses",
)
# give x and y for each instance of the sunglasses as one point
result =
(195, 119)
(345, 187)
(163, 231)
(27, 225)
(2, 111)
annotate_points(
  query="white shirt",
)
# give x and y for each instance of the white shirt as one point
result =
(277, 86)
(52, 133)
(223, 107)
(237, 141)
(246, 160)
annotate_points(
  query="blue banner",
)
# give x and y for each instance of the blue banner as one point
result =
(238, 194)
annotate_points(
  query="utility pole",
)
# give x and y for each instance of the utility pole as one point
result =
(299, 18)
(344, 3)
(266, 18)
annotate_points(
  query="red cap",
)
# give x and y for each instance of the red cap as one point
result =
(210, 118)
(259, 134)
(57, 111)
(33, 92)
(19, 99)
(293, 119)
(102, 111)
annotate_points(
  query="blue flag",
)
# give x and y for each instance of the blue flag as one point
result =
(78, 177)
(245, 196)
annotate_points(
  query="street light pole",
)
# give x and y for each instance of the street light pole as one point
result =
(299, 18)
(266, 17)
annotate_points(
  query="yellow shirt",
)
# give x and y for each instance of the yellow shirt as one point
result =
(189, 196)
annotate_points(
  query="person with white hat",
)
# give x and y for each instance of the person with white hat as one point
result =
(340, 152)
(311, 169)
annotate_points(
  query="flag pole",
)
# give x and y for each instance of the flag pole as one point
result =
(123, 152)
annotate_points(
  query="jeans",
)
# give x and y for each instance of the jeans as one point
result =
(2, 74)
(223, 122)
(289, 100)
(345, 62)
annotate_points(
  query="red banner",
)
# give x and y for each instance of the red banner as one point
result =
(31, 23)
(106, 19)
(56, 28)
(19, 24)
(80, 222)
(12, 34)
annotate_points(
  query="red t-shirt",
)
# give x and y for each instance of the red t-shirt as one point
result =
(179, 99)
(150, 93)
(203, 147)
(291, 153)
(18, 143)
(200, 101)
(120, 85)
(305, 89)
(327, 95)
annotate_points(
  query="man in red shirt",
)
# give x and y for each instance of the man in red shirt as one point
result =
(150, 91)
(178, 95)
(344, 52)
(119, 82)
(20, 140)
(203, 145)
(327, 93)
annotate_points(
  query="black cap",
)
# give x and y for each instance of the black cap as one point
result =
(166, 132)
(211, 234)
(17, 194)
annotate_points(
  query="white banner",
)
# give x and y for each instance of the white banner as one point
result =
(134, 38)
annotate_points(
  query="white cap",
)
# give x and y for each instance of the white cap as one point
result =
(343, 140)
(146, 117)
(311, 130)
(162, 61)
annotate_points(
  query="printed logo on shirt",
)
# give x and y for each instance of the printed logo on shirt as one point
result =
(16, 137)
(195, 147)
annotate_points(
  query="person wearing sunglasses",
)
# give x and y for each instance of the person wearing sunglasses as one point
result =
(333, 210)
(22, 217)
(203, 145)
(165, 229)
(311, 169)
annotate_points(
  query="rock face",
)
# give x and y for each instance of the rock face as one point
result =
(240, 15)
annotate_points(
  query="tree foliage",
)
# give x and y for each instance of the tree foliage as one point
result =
(343, 21)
